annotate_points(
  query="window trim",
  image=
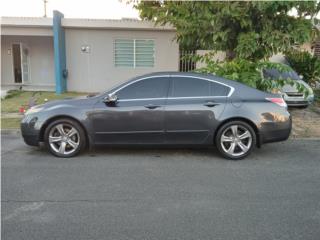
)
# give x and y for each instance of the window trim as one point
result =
(172, 98)
(134, 52)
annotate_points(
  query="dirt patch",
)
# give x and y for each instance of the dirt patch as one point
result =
(305, 122)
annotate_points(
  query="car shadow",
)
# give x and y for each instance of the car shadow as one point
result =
(197, 153)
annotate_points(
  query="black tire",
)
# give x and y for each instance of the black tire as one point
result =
(242, 125)
(81, 137)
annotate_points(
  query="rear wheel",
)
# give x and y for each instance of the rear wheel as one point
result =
(235, 140)
(65, 138)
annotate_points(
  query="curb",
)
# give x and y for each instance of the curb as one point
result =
(305, 138)
(13, 131)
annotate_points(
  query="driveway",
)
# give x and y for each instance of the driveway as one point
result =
(161, 194)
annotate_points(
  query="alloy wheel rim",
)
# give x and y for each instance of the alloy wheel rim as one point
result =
(236, 140)
(64, 139)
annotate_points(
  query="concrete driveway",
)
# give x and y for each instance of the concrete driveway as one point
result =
(161, 194)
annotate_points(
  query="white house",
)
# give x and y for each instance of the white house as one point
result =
(85, 55)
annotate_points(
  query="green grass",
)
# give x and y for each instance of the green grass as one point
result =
(10, 123)
(16, 99)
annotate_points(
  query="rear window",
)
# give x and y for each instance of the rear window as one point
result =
(189, 87)
(196, 87)
(219, 89)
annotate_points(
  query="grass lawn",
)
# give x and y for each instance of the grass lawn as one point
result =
(10, 123)
(16, 99)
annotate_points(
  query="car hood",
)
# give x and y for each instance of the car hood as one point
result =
(76, 101)
(289, 88)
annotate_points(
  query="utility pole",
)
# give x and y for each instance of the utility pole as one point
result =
(45, 7)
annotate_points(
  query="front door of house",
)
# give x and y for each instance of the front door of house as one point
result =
(21, 59)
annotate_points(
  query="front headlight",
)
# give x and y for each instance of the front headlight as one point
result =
(310, 98)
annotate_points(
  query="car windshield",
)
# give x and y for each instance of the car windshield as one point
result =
(276, 74)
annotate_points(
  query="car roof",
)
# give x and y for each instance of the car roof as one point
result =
(193, 74)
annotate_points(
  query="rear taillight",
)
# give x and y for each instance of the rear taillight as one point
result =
(278, 101)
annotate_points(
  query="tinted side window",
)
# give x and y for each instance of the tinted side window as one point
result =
(148, 88)
(189, 87)
(219, 89)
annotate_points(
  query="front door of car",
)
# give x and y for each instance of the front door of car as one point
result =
(137, 117)
(192, 109)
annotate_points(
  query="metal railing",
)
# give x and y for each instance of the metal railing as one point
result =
(186, 64)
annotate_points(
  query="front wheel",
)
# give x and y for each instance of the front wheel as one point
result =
(235, 140)
(64, 138)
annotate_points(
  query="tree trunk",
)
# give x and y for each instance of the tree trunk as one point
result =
(230, 55)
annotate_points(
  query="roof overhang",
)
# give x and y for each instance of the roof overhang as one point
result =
(123, 24)
(43, 26)
(26, 26)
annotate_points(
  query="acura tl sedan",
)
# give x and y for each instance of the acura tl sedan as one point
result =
(166, 109)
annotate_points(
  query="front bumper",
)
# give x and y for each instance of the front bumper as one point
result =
(30, 129)
(298, 101)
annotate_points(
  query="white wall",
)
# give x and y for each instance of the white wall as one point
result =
(41, 62)
(218, 56)
(95, 71)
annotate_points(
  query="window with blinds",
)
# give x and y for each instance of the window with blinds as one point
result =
(134, 53)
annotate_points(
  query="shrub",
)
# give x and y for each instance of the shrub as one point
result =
(306, 65)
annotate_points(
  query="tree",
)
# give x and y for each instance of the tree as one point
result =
(248, 30)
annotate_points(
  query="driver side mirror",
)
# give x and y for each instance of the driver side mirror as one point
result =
(110, 99)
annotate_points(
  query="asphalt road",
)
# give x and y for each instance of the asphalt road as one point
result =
(161, 194)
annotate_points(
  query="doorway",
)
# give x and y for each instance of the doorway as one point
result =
(16, 54)
(20, 54)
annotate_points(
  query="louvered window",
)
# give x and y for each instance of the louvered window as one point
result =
(134, 53)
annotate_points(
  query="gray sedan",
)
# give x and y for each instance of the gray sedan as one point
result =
(167, 108)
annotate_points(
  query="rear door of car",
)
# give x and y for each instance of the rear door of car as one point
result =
(192, 109)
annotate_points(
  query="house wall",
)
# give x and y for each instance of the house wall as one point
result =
(218, 56)
(41, 62)
(95, 71)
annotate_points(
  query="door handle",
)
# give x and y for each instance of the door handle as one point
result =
(152, 106)
(210, 104)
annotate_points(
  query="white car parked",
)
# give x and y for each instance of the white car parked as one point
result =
(291, 94)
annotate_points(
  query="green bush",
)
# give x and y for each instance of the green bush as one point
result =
(306, 65)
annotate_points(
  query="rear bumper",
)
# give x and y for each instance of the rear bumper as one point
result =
(277, 130)
(275, 136)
